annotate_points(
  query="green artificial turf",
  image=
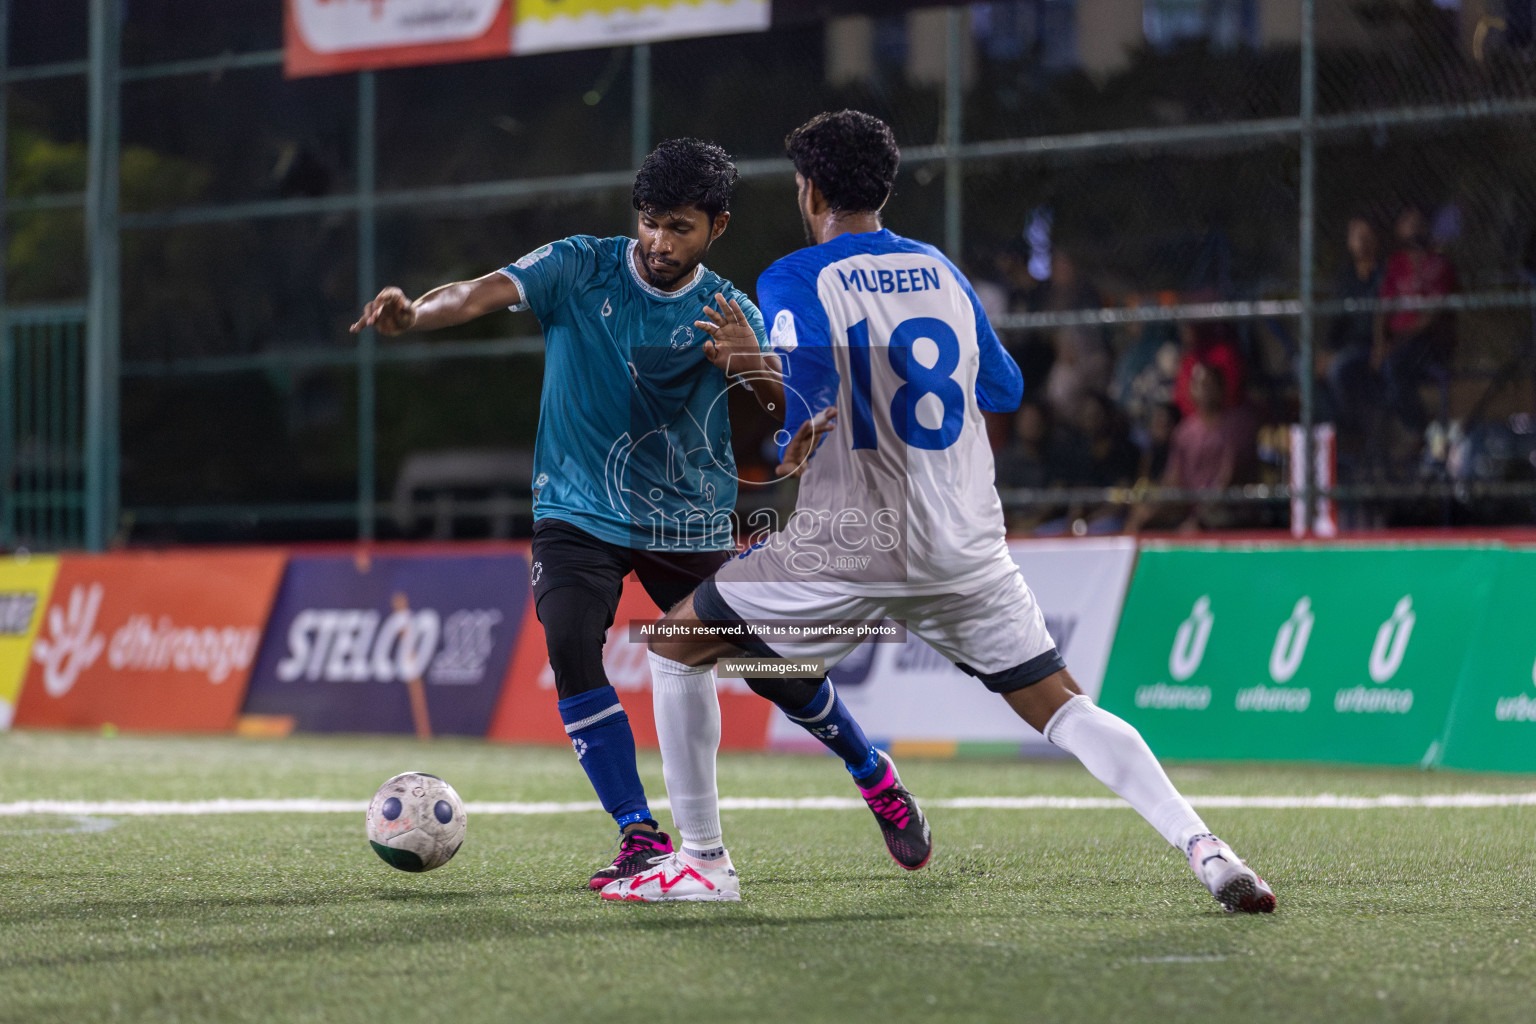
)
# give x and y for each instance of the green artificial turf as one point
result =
(1083, 916)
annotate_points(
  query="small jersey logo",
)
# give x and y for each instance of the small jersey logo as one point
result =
(534, 257)
(682, 337)
(783, 334)
(607, 306)
(536, 575)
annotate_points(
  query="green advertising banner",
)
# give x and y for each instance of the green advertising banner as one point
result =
(1316, 653)
(1493, 720)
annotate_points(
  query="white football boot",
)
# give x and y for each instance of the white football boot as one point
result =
(678, 877)
(1234, 884)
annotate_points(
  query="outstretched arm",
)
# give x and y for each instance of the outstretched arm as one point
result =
(444, 306)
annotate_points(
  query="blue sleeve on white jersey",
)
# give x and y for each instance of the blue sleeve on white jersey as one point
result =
(999, 384)
(799, 337)
(550, 273)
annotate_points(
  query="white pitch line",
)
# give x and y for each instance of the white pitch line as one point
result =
(1322, 801)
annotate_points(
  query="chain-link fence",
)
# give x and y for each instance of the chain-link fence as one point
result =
(1197, 224)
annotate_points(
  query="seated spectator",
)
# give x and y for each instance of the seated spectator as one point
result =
(1413, 345)
(1211, 450)
(1145, 370)
(1034, 459)
(1343, 359)
(1155, 441)
(1101, 455)
(1208, 344)
(1082, 360)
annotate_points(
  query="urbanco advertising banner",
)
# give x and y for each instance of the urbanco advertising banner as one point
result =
(1492, 724)
(527, 712)
(25, 584)
(410, 643)
(908, 692)
(1315, 653)
(322, 37)
(149, 641)
(543, 25)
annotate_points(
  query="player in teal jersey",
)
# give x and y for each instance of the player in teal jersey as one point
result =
(632, 465)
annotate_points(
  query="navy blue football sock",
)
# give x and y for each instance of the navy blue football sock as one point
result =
(829, 720)
(605, 746)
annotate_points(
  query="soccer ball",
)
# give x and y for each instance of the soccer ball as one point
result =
(416, 822)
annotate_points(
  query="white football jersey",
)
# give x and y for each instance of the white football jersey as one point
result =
(900, 498)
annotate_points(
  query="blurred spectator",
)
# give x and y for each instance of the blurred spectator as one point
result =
(1210, 450)
(1100, 454)
(1343, 361)
(1030, 349)
(1155, 441)
(1214, 345)
(1033, 459)
(1412, 346)
(1145, 372)
(1082, 358)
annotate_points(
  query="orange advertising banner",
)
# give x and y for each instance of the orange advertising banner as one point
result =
(149, 641)
(526, 711)
(323, 37)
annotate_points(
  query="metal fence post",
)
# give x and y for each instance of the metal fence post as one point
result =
(367, 340)
(7, 378)
(640, 104)
(103, 300)
(1307, 245)
(954, 89)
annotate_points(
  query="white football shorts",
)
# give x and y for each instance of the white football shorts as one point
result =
(995, 633)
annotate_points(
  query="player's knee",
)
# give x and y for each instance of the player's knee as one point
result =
(677, 637)
(575, 626)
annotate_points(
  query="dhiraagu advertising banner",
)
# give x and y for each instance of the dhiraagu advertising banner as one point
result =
(1493, 720)
(1338, 654)
(25, 585)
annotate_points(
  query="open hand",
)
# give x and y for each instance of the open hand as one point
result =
(803, 445)
(732, 344)
(391, 313)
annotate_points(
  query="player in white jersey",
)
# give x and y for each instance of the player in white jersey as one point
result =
(883, 339)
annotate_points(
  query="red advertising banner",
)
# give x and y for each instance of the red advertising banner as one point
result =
(149, 641)
(323, 37)
(527, 709)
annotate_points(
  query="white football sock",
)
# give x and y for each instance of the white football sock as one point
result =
(688, 729)
(1114, 752)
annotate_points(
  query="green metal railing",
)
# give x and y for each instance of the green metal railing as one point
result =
(102, 370)
(42, 436)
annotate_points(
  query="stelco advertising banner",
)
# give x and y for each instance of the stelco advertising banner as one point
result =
(908, 693)
(1340, 654)
(390, 643)
(527, 712)
(149, 641)
(1493, 721)
(25, 583)
(324, 37)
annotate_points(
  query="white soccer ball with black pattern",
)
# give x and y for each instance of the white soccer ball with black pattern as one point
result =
(416, 822)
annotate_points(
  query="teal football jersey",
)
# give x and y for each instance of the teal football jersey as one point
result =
(634, 439)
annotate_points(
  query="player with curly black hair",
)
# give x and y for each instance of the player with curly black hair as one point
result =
(850, 158)
(632, 450)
